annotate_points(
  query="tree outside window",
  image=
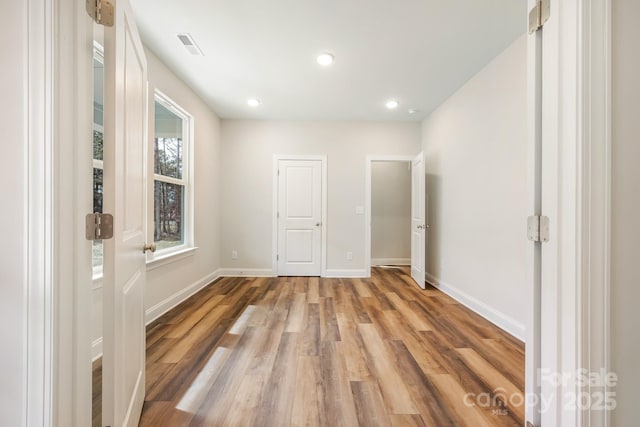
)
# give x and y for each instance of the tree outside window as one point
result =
(170, 174)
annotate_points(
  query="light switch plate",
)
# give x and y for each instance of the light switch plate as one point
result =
(359, 210)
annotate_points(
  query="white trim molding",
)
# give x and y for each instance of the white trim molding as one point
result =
(39, 175)
(344, 274)
(576, 179)
(182, 295)
(246, 272)
(390, 261)
(594, 237)
(58, 173)
(494, 316)
(167, 258)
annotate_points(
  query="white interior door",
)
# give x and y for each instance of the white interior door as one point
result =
(418, 224)
(125, 183)
(299, 217)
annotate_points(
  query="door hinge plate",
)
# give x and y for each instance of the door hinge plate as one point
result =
(99, 226)
(539, 15)
(538, 228)
(101, 11)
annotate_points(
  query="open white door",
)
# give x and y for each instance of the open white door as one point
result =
(125, 183)
(418, 224)
(299, 217)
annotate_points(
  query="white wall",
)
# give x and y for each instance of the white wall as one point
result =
(170, 283)
(14, 213)
(625, 214)
(390, 212)
(247, 174)
(168, 280)
(475, 152)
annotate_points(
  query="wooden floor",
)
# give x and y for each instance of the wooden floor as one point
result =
(330, 352)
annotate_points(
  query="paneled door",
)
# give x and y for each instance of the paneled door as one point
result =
(418, 221)
(299, 217)
(125, 196)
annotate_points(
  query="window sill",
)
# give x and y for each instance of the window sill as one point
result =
(164, 259)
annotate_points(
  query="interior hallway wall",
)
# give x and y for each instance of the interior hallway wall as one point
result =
(390, 213)
(475, 155)
(248, 147)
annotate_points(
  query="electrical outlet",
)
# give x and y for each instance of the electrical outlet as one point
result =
(234, 254)
(349, 256)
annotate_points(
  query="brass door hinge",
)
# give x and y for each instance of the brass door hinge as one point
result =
(539, 15)
(99, 226)
(101, 11)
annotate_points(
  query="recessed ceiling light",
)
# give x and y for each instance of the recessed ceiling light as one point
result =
(325, 59)
(253, 102)
(392, 104)
(413, 111)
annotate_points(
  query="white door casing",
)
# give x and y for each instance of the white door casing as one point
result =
(299, 218)
(418, 222)
(534, 207)
(125, 186)
(367, 196)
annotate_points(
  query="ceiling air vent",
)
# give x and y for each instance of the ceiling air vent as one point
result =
(190, 44)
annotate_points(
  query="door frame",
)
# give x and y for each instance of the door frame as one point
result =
(57, 320)
(59, 274)
(576, 194)
(370, 158)
(275, 201)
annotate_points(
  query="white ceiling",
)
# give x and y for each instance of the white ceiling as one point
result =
(416, 51)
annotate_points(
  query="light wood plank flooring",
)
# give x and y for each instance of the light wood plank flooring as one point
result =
(294, 351)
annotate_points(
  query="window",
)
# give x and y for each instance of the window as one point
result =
(172, 224)
(98, 136)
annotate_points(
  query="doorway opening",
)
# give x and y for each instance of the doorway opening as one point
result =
(414, 226)
(390, 213)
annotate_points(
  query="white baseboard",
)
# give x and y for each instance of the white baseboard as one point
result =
(245, 272)
(496, 317)
(345, 273)
(433, 280)
(96, 349)
(163, 306)
(390, 261)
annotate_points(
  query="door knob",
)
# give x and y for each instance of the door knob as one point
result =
(152, 247)
(423, 227)
(318, 224)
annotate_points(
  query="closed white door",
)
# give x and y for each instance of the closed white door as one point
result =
(299, 217)
(418, 224)
(125, 196)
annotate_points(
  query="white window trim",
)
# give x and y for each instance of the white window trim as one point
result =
(165, 256)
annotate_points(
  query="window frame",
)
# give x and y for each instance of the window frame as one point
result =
(188, 245)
